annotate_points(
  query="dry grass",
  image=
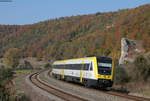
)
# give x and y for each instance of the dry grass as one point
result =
(136, 88)
(22, 87)
(35, 63)
(19, 80)
(140, 88)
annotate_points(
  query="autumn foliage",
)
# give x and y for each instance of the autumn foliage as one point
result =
(78, 36)
(11, 58)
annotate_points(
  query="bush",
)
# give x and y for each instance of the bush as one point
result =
(98, 13)
(25, 65)
(48, 65)
(140, 69)
(22, 97)
(6, 91)
(39, 59)
(1, 66)
(6, 76)
(121, 76)
(11, 57)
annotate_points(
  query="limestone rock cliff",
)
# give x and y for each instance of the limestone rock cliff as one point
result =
(130, 49)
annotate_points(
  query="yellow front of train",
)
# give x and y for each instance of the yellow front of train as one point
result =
(104, 71)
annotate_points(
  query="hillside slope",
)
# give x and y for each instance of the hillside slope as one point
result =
(78, 36)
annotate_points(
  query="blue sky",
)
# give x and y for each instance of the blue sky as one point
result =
(31, 11)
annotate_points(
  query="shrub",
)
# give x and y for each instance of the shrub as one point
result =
(6, 75)
(48, 65)
(25, 65)
(22, 97)
(6, 91)
(39, 58)
(98, 13)
(11, 57)
(121, 76)
(140, 69)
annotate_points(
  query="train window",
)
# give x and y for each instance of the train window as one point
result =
(86, 66)
(58, 66)
(73, 66)
(79, 66)
(90, 67)
(65, 66)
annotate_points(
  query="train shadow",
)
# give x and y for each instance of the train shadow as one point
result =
(120, 90)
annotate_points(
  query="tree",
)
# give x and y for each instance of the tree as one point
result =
(121, 76)
(6, 76)
(11, 57)
(7, 91)
(141, 68)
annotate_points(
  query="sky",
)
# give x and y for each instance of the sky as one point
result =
(22, 12)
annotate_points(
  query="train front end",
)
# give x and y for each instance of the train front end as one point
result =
(105, 70)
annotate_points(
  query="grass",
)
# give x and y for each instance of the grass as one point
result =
(19, 83)
(20, 77)
(23, 72)
(145, 89)
(146, 92)
(139, 88)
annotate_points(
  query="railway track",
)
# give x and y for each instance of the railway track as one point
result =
(115, 93)
(131, 97)
(54, 91)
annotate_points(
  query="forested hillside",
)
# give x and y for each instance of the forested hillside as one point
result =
(78, 36)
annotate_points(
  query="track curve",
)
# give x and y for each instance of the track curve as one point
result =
(54, 91)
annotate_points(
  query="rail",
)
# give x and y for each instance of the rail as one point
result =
(54, 91)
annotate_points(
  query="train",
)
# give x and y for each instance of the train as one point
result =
(95, 71)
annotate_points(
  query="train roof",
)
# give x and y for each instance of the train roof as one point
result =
(87, 57)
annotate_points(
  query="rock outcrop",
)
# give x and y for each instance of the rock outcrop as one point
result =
(130, 49)
(25, 65)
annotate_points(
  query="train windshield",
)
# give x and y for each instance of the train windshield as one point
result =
(104, 66)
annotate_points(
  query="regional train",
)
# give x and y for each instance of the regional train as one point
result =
(90, 71)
